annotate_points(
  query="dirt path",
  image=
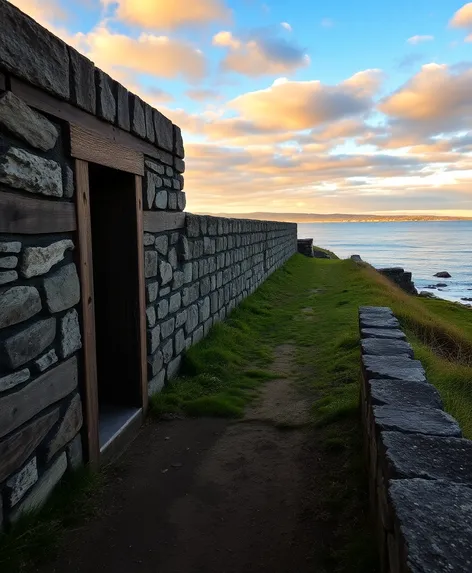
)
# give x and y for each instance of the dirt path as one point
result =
(210, 496)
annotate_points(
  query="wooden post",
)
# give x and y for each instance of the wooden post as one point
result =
(88, 310)
(141, 292)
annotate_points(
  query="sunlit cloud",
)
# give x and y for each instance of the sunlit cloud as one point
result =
(420, 39)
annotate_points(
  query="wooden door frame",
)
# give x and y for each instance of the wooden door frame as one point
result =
(90, 388)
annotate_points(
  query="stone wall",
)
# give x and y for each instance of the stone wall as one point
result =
(400, 277)
(197, 274)
(305, 247)
(40, 408)
(419, 466)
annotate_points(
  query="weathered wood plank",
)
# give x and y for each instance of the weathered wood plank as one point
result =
(19, 407)
(157, 221)
(88, 310)
(20, 214)
(141, 292)
(91, 146)
(19, 446)
(42, 101)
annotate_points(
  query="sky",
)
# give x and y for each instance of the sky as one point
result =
(296, 106)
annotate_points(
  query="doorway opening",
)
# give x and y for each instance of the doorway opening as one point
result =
(116, 285)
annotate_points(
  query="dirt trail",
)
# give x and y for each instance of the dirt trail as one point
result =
(210, 496)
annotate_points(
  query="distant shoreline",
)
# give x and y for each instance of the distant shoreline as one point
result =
(339, 218)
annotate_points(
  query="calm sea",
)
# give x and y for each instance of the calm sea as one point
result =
(424, 248)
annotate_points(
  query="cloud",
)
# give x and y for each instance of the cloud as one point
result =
(159, 56)
(166, 15)
(43, 11)
(463, 17)
(203, 94)
(261, 53)
(287, 26)
(419, 39)
(409, 60)
(327, 23)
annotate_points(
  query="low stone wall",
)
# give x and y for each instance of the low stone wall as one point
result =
(400, 277)
(420, 468)
(197, 274)
(305, 247)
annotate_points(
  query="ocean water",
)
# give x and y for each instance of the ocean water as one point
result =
(424, 248)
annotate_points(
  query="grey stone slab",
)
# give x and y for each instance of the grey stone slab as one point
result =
(75, 453)
(151, 291)
(155, 363)
(18, 484)
(175, 302)
(167, 328)
(164, 131)
(190, 294)
(179, 165)
(162, 308)
(181, 318)
(376, 309)
(28, 343)
(11, 380)
(162, 245)
(178, 280)
(403, 394)
(150, 196)
(122, 104)
(150, 316)
(386, 347)
(172, 258)
(391, 333)
(428, 457)
(181, 200)
(393, 368)
(161, 199)
(148, 239)
(138, 120)
(83, 92)
(40, 260)
(149, 121)
(47, 360)
(178, 142)
(204, 309)
(378, 321)
(106, 100)
(17, 304)
(150, 264)
(172, 200)
(192, 222)
(8, 277)
(429, 421)
(68, 183)
(179, 342)
(168, 351)
(188, 273)
(23, 170)
(10, 247)
(173, 368)
(43, 489)
(62, 288)
(165, 273)
(68, 428)
(156, 384)
(154, 336)
(70, 340)
(30, 52)
(25, 123)
(155, 167)
(436, 525)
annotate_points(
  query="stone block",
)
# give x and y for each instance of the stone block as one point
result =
(47, 360)
(205, 286)
(150, 264)
(154, 337)
(43, 489)
(138, 120)
(75, 453)
(190, 294)
(429, 421)
(393, 368)
(156, 384)
(167, 328)
(174, 367)
(433, 520)
(148, 240)
(197, 335)
(192, 222)
(172, 200)
(175, 302)
(62, 288)
(383, 310)
(188, 272)
(428, 457)
(378, 321)
(172, 258)
(192, 319)
(162, 245)
(122, 107)
(165, 273)
(179, 165)
(151, 179)
(204, 309)
(161, 199)
(164, 131)
(164, 291)
(162, 308)
(150, 316)
(68, 428)
(23, 170)
(26, 124)
(386, 347)
(39, 260)
(10, 247)
(31, 53)
(178, 142)
(181, 318)
(176, 185)
(168, 351)
(403, 394)
(106, 98)
(149, 121)
(151, 291)
(207, 326)
(155, 167)
(178, 280)
(17, 304)
(26, 344)
(70, 340)
(11, 380)
(21, 482)
(181, 200)
(384, 333)
(155, 363)
(83, 92)
(179, 342)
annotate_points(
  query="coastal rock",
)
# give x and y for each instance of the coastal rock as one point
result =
(467, 299)
(443, 275)
(356, 258)
(426, 294)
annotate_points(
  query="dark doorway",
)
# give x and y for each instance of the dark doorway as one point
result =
(116, 292)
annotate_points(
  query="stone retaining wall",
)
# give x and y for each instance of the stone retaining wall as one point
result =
(420, 467)
(400, 277)
(305, 247)
(197, 274)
